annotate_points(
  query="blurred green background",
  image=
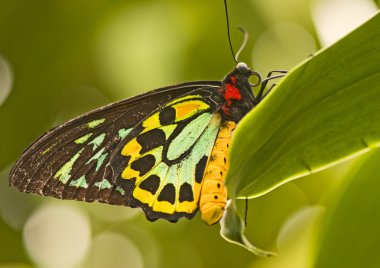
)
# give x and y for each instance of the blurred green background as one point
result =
(59, 59)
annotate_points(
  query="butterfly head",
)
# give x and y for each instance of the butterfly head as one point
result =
(237, 92)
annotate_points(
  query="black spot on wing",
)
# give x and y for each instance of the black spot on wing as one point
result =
(150, 184)
(151, 139)
(167, 116)
(200, 169)
(167, 194)
(144, 164)
(186, 193)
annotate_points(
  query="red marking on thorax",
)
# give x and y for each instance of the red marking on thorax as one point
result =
(231, 93)
(226, 110)
(233, 79)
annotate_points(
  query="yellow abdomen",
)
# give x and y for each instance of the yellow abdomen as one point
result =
(213, 198)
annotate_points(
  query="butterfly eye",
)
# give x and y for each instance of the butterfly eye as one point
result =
(242, 68)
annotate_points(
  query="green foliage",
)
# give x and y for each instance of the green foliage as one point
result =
(349, 235)
(325, 110)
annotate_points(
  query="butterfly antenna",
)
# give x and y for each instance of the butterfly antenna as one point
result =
(245, 41)
(228, 31)
(245, 33)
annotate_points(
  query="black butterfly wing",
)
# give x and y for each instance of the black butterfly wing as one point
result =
(81, 159)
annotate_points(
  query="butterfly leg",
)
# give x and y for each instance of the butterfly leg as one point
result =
(213, 196)
(271, 75)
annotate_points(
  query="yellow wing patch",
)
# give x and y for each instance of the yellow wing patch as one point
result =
(152, 121)
(132, 148)
(178, 110)
(185, 110)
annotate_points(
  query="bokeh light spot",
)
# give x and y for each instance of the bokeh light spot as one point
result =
(6, 79)
(110, 249)
(281, 47)
(336, 18)
(15, 207)
(297, 226)
(57, 236)
(294, 240)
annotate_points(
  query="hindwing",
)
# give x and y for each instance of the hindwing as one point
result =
(165, 174)
(148, 151)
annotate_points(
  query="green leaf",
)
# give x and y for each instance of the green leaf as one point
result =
(325, 110)
(350, 234)
(232, 229)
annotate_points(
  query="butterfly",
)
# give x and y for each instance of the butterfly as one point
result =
(165, 151)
